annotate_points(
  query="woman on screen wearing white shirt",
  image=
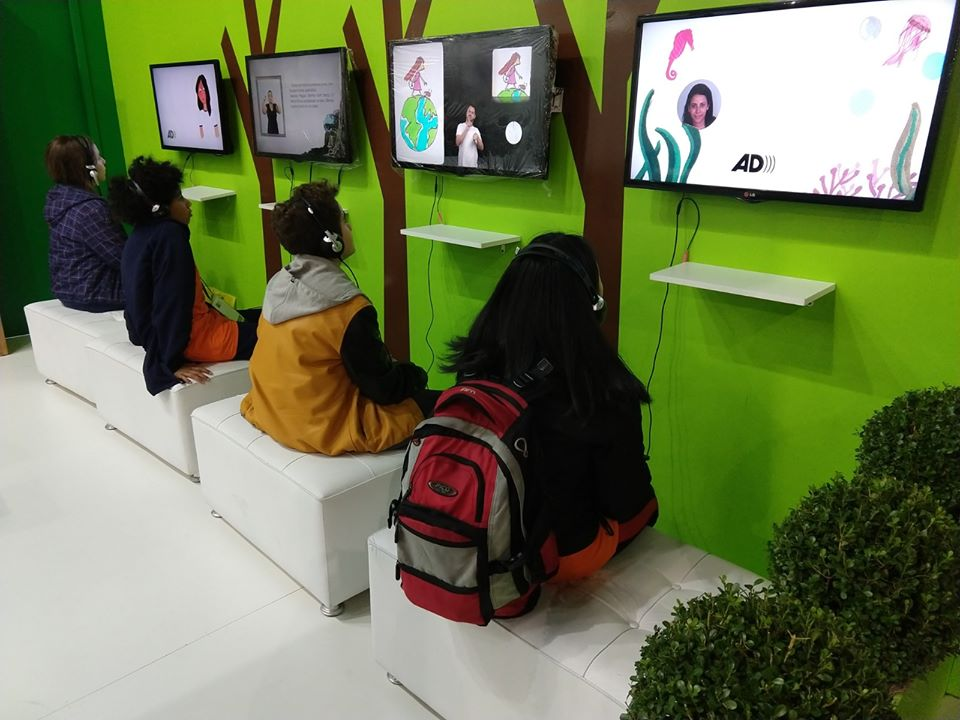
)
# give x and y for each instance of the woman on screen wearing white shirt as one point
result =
(203, 103)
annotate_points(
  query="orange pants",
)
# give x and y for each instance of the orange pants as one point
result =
(586, 562)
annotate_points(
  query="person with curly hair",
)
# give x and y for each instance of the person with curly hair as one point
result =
(166, 309)
(322, 378)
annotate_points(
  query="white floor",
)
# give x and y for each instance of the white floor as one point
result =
(121, 597)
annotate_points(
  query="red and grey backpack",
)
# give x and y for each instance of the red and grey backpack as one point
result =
(465, 550)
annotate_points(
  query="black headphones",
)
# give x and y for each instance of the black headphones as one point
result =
(155, 207)
(329, 237)
(549, 251)
(90, 160)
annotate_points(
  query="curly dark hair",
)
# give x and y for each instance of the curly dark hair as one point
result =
(302, 232)
(158, 182)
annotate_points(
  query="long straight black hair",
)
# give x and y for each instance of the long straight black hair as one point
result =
(542, 308)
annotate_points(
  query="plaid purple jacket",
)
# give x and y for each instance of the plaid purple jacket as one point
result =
(85, 248)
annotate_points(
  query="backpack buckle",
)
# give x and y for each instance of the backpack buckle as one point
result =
(535, 374)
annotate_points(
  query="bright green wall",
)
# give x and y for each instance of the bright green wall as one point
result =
(67, 91)
(754, 401)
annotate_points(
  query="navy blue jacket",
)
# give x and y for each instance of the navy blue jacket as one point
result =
(85, 248)
(159, 277)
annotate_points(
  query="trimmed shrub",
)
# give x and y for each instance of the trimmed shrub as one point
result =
(884, 555)
(750, 653)
(917, 438)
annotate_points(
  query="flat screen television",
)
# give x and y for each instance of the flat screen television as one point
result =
(301, 105)
(831, 102)
(477, 103)
(190, 111)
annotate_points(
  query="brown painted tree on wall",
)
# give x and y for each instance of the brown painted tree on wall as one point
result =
(396, 307)
(263, 165)
(598, 136)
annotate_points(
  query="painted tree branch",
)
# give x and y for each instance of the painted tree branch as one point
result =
(598, 136)
(263, 165)
(396, 302)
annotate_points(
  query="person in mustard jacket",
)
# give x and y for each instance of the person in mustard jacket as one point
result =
(322, 379)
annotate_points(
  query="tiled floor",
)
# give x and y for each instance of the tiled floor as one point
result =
(121, 597)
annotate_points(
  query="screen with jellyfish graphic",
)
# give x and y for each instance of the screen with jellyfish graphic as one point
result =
(474, 104)
(837, 103)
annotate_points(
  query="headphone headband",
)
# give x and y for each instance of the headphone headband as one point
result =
(154, 206)
(554, 253)
(330, 237)
(90, 159)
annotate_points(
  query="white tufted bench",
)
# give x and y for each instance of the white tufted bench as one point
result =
(572, 657)
(58, 336)
(161, 423)
(309, 513)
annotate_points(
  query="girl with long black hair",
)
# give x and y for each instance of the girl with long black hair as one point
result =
(588, 469)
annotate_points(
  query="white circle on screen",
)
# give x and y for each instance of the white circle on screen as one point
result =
(513, 132)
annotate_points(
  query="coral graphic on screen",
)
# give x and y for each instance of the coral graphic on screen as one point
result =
(677, 168)
(681, 41)
(901, 184)
(915, 32)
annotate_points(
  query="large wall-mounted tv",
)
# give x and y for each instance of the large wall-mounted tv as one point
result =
(301, 105)
(189, 101)
(477, 103)
(836, 102)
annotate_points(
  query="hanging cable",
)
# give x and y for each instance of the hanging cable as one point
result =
(663, 305)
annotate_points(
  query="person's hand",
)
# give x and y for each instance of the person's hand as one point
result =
(476, 138)
(193, 373)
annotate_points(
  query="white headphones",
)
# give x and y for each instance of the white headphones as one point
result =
(330, 237)
(93, 171)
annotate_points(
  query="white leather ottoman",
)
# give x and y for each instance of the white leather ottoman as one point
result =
(161, 423)
(572, 657)
(58, 336)
(309, 513)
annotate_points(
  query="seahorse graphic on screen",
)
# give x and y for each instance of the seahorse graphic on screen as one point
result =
(681, 40)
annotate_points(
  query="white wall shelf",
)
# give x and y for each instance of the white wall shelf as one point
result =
(764, 286)
(468, 237)
(203, 193)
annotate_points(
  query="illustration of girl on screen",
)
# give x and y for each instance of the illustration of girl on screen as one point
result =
(414, 78)
(510, 74)
(203, 103)
(271, 109)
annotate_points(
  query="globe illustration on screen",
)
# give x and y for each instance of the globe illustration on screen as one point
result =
(512, 94)
(418, 122)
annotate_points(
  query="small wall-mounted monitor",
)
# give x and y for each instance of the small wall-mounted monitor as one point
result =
(833, 102)
(189, 101)
(301, 105)
(477, 103)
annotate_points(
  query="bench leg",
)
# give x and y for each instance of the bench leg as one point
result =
(108, 426)
(393, 680)
(194, 479)
(217, 515)
(331, 611)
(48, 381)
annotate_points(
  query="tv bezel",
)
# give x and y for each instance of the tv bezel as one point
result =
(224, 121)
(345, 100)
(456, 169)
(915, 204)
